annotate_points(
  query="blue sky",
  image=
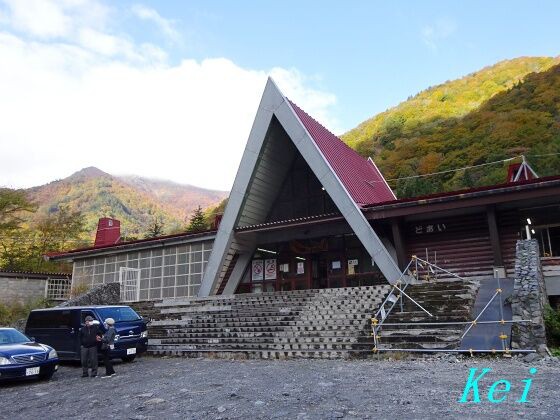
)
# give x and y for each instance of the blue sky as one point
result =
(169, 89)
(370, 54)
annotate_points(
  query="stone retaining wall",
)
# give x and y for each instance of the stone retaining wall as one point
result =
(528, 298)
(21, 290)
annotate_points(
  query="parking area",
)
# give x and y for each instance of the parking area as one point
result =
(159, 388)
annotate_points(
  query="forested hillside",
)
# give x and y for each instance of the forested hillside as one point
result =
(137, 202)
(63, 214)
(501, 111)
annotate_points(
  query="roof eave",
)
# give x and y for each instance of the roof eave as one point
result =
(119, 248)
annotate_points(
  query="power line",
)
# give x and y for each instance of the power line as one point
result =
(546, 154)
(452, 170)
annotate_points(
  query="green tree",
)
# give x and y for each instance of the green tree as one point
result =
(13, 204)
(16, 242)
(156, 227)
(197, 222)
(60, 231)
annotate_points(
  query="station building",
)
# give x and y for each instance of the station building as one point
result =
(306, 211)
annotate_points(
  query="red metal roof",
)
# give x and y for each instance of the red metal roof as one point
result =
(422, 199)
(361, 178)
(185, 235)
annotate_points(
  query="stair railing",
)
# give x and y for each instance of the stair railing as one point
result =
(392, 298)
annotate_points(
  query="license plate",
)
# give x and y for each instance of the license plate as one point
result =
(32, 371)
(131, 351)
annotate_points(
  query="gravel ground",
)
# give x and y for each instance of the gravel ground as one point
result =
(163, 388)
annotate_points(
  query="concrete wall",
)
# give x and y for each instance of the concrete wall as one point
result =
(21, 290)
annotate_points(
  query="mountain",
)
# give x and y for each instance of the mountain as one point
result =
(501, 111)
(134, 200)
(179, 200)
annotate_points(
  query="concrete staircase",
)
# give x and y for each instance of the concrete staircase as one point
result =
(324, 323)
(448, 301)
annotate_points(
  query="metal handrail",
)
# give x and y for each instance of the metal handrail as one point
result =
(376, 324)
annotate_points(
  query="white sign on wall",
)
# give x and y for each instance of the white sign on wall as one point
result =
(300, 268)
(352, 262)
(257, 270)
(270, 269)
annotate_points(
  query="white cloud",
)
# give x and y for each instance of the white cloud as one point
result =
(98, 98)
(48, 19)
(165, 25)
(440, 30)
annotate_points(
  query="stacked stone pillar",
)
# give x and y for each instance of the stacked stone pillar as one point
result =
(529, 298)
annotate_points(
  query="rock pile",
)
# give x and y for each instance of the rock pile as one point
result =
(102, 294)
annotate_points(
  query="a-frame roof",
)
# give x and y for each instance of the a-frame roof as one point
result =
(281, 129)
(361, 177)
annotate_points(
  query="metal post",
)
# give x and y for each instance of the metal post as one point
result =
(502, 334)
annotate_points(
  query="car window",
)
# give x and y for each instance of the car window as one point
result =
(119, 314)
(87, 313)
(12, 336)
(50, 319)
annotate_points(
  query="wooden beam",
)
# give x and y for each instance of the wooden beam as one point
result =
(399, 242)
(494, 236)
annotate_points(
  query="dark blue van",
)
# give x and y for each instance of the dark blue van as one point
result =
(59, 328)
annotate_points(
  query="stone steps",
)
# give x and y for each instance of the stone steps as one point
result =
(322, 323)
(448, 303)
(328, 322)
(251, 354)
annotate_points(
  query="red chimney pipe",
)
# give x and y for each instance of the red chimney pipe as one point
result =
(108, 232)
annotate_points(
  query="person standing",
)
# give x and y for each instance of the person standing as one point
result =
(89, 337)
(108, 344)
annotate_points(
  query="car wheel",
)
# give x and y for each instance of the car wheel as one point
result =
(128, 359)
(46, 376)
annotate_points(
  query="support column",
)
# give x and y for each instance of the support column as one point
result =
(399, 242)
(237, 274)
(494, 238)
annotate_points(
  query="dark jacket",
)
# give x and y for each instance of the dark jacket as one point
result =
(109, 336)
(88, 335)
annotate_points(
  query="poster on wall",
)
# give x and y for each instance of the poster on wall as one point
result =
(300, 267)
(351, 265)
(257, 270)
(270, 269)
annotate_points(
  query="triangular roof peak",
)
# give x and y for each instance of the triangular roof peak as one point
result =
(350, 181)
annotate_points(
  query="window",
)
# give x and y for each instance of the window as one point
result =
(85, 314)
(178, 268)
(12, 337)
(50, 319)
(549, 240)
(58, 289)
(119, 314)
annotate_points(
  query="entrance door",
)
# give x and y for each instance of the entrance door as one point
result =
(58, 329)
(336, 270)
(298, 277)
(129, 278)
